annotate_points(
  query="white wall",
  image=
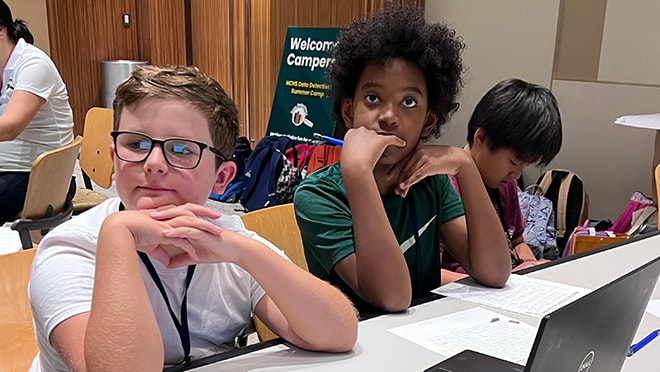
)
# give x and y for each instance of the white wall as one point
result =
(631, 43)
(613, 160)
(504, 38)
(516, 38)
(33, 12)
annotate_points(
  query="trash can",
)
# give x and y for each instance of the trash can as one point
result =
(113, 73)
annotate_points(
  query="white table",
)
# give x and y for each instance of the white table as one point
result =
(380, 350)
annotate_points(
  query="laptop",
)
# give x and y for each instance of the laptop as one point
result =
(592, 333)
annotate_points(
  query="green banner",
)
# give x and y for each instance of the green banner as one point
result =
(301, 106)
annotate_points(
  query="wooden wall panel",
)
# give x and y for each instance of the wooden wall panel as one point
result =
(240, 43)
(81, 36)
(211, 40)
(162, 31)
(240, 63)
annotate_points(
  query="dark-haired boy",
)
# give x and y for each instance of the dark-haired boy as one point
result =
(373, 223)
(515, 124)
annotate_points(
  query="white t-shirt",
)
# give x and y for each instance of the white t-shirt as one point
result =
(221, 297)
(30, 69)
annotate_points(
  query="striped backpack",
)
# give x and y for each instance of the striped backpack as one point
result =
(569, 199)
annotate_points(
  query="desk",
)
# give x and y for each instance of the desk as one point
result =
(379, 350)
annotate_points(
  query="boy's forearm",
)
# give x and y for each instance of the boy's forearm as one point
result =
(382, 274)
(122, 332)
(524, 252)
(317, 313)
(489, 259)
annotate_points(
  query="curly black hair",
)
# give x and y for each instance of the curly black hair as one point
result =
(400, 31)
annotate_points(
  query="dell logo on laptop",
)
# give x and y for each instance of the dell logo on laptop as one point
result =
(586, 362)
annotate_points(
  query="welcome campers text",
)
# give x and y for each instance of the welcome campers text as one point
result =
(300, 44)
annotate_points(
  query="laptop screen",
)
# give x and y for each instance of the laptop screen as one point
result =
(594, 332)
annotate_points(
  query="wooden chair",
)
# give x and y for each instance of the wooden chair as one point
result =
(18, 345)
(95, 160)
(657, 189)
(277, 225)
(46, 202)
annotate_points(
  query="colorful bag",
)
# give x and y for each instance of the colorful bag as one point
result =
(637, 201)
(540, 234)
(323, 155)
(270, 178)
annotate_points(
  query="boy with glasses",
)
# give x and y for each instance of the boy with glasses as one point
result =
(153, 278)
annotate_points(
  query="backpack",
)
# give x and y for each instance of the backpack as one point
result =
(270, 178)
(235, 187)
(323, 155)
(303, 151)
(569, 200)
(624, 222)
(540, 234)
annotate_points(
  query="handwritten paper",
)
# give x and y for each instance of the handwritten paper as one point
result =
(475, 329)
(521, 294)
(651, 121)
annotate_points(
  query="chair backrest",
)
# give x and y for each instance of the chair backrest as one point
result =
(17, 341)
(277, 225)
(657, 189)
(50, 179)
(95, 158)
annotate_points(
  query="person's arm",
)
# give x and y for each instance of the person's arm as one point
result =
(448, 276)
(526, 255)
(476, 240)
(297, 306)
(122, 333)
(20, 110)
(523, 250)
(377, 271)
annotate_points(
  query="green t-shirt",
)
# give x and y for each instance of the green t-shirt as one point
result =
(324, 218)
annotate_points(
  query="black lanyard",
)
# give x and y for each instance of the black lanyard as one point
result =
(181, 327)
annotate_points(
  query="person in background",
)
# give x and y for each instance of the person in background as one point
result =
(515, 124)
(153, 278)
(35, 115)
(372, 224)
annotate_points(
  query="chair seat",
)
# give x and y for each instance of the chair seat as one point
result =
(86, 199)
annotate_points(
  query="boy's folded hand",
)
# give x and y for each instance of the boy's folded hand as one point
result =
(426, 161)
(364, 147)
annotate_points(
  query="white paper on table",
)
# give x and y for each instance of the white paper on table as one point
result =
(475, 329)
(10, 241)
(653, 308)
(650, 121)
(521, 294)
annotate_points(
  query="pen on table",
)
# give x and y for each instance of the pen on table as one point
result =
(638, 346)
(330, 140)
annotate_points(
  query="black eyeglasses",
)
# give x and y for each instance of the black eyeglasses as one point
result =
(183, 153)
